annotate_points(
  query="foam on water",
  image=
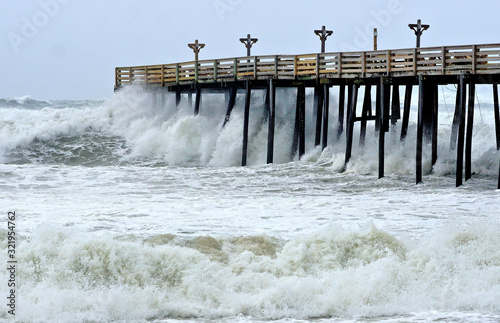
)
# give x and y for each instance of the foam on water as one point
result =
(160, 228)
(335, 273)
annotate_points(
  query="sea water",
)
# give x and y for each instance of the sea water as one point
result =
(132, 210)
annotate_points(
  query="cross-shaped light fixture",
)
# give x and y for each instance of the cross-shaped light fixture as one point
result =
(323, 35)
(418, 28)
(249, 41)
(196, 48)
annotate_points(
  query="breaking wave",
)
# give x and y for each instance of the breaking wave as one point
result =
(135, 128)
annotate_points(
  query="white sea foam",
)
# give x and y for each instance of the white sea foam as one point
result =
(331, 273)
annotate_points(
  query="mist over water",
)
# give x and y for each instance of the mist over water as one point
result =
(132, 210)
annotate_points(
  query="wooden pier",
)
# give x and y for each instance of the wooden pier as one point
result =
(386, 70)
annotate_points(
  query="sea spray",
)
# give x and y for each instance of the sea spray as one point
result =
(130, 128)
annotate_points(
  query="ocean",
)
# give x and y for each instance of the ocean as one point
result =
(130, 210)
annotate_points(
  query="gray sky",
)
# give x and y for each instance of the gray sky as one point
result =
(68, 49)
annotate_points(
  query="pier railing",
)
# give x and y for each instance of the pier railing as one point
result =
(448, 60)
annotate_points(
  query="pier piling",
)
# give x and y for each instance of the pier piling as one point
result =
(383, 110)
(406, 112)
(248, 94)
(197, 102)
(462, 88)
(340, 125)
(420, 130)
(496, 107)
(230, 104)
(351, 118)
(318, 107)
(272, 112)
(367, 109)
(326, 112)
(470, 126)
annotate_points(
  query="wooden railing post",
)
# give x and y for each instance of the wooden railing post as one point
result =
(255, 67)
(363, 64)
(415, 59)
(474, 59)
(177, 73)
(443, 60)
(388, 59)
(339, 61)
(317, 66)
(235, 69)
(276, 67)
(163, 75)
(196, 71)
(146, 74)
(295, 60)
(216, 65)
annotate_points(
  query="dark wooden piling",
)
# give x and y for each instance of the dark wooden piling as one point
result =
(496, 107)
(383, 109)
(427, 110)
(271, 120)
(340, 124)
(462, 87)
(367, 109)
(349, 101)
(318, 107)
(298, 142)
(395, 106)
(420, 128)
(386, 98)
(230, 104)
(406, 112)
(326, 112)
(301, 98)
(197, 102)
(246, 123)
(456, 122)
(351, 118)
(378, 106)
(470, 126)
(177, 98)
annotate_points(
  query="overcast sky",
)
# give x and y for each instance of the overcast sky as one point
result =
(68, 49)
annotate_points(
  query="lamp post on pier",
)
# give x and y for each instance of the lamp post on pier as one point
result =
(196, 47)
(323, 35)
(248, 42)
(418, 28)
(375, 39)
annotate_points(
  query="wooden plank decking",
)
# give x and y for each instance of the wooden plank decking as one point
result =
(448, 60)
